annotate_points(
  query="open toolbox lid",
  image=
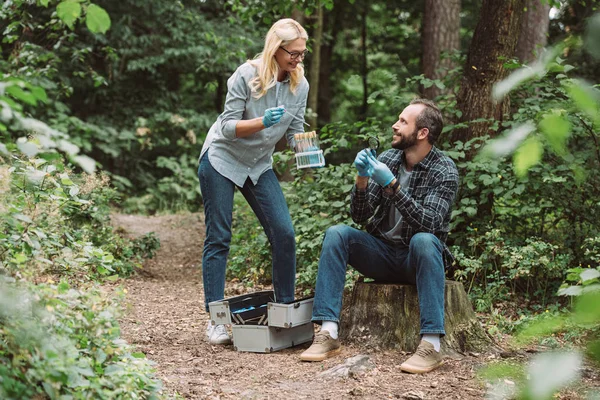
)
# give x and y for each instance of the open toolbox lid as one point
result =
(288, 315)
(250, 307)
(259, 309)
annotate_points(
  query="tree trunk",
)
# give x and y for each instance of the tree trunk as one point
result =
(364, 66)
(534, 30)
(315, 66)
(325, 94)
(441, 28)
(494, 42)
(387, 316)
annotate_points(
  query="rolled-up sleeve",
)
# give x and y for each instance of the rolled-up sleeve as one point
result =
(235, 103)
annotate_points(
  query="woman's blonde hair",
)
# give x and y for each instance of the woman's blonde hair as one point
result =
(282, 33)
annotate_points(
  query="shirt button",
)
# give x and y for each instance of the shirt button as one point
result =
(248, 169)
(255, 159)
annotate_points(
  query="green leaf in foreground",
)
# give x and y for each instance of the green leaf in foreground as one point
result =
(526, 156)
(97, 19)
(68, 12)
(556, 128)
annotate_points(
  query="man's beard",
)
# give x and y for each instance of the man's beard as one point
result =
(406, 142)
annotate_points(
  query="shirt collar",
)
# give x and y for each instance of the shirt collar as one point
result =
(425, 162)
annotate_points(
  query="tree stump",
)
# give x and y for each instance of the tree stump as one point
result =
(387, 316)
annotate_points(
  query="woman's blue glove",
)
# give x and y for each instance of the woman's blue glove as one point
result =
(272, 116)
(381, 173)
(361, 162)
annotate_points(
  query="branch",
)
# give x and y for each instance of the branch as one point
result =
(593, 135)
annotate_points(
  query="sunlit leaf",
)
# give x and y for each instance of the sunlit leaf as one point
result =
(535, 70)
(556, 128)
(586, 308)
(68, 12)
(97, 19)
(39, 93)
(570, 291)
(508, 142)
(589, 274)
(586, 98)
(18, 93)
(549, 372)
(86, 163)
(28, 148)
(528, 155)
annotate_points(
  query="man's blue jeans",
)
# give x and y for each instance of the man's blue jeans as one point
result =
(267, 201)
(420, 264)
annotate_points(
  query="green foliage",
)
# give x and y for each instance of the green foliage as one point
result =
(548, 373)
(47, 211)
(503, 270)
(63, 339)
(58, 341)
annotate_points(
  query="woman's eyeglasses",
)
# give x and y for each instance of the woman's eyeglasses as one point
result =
(294, 54)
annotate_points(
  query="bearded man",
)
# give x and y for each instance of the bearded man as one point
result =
(404, 197)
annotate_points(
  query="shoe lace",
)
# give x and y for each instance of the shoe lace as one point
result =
(424, 351)
(321, 337)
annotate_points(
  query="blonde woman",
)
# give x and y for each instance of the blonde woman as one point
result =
(266, 100)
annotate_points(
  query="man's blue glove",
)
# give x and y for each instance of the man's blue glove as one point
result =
(361, 162)
(381, 173)
(272, 116)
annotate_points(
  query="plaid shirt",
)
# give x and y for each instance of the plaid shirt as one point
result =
(425, 205)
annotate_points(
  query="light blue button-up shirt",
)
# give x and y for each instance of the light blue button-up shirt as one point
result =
(240, 158)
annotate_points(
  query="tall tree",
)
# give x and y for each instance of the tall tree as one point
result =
(534, 30)
(441, 33)
(315, 66)
(494, 41)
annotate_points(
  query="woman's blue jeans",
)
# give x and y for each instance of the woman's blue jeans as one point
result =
(267, 201)
(420, 264)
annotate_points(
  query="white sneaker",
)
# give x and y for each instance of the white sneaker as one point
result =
(217, 334)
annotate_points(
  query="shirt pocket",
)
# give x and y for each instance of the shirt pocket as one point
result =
(420, 192)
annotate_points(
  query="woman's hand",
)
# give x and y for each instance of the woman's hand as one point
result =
(272, 116)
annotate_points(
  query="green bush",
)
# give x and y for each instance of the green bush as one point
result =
(63, 342)
(63, 339)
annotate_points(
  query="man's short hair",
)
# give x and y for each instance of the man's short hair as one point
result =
(430, 118)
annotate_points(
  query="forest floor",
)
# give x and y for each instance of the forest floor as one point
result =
(165, 319)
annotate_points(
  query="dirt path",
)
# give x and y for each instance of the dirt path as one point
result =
(166, 321)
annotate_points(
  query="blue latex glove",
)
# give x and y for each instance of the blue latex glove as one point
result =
(361, 162)
(381, 173)
(273, 116)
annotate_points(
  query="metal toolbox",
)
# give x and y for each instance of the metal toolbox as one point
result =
(241, 309)
(266, 339)
(288, 315)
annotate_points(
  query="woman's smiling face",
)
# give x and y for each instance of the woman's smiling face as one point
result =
(285, 55)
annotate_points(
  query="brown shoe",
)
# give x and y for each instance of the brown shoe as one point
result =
(424, 360)
(322, 347)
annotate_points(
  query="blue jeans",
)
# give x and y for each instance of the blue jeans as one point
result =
(267, 201)
(420, 264)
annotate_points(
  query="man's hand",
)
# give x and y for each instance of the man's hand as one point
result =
(381, 173)
(361, 162)
(272, 116)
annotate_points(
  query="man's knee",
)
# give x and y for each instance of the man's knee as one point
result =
(336, 234)
(425, 243)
